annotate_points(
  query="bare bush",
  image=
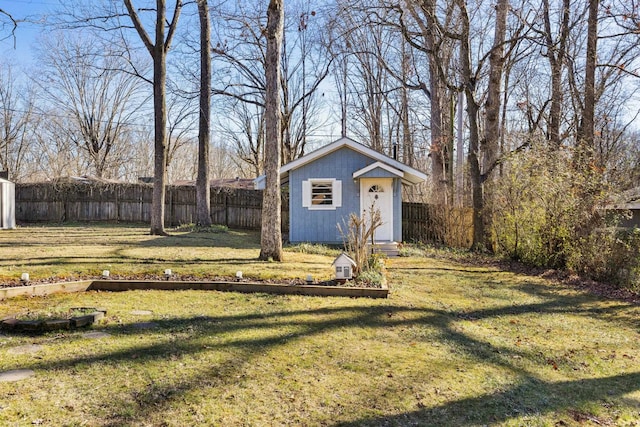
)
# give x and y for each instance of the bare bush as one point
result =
(357, 233)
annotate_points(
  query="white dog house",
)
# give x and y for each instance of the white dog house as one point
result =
(7, 204)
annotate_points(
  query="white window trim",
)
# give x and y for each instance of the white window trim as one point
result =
(336, 190)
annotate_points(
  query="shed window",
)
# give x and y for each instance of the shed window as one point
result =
(322, 193)
(318, 194)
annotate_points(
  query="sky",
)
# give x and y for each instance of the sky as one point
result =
(30, 14)
(21, 51)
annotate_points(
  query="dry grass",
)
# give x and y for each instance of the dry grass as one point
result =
(65, 252)
(454, 345)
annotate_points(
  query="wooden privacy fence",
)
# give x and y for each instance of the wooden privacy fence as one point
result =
(233, 207)
(438, 224)
(68, 202)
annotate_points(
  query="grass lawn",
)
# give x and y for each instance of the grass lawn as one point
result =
(67, 252)
(454, 345)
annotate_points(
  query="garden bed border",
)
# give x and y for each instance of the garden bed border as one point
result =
(173, 285)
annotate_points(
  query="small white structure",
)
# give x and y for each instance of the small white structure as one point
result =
(344, 265)
(7, 204)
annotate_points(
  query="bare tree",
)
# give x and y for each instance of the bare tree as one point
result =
(239, 58)
(244, 127)
(556, 53)
(585, 135)
(449, 26)
(491, 141)
(271, 237)
(8, 25)
(137, 160)
(203, 192)
(181, 121)
(55, 155)
(439, 50)
(158, 46)
(86, 85)
(17, 124)
(365, 47)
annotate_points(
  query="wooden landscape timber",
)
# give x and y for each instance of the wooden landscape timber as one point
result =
(174, 285)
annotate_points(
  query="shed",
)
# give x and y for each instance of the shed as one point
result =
(344, 177)
(629, 206)
(7, 204)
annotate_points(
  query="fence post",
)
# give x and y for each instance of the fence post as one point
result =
(226, 209)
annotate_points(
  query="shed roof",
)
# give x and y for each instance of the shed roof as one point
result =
(629, 199)
(409, 175)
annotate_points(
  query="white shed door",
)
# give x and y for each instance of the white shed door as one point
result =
(379, 193)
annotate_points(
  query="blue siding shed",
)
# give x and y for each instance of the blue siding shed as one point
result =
(329, 184)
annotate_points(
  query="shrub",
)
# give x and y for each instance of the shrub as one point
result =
(550, 213)
(535, 209)
(359, 232)
(609, 254)
(375, 262)
(371, 279)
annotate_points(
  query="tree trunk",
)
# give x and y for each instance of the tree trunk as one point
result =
(203, 192)
(586, 129)
(473, 157)
(160, 143)
(271, 237)
(556, 52)
(158, 49)
(475, 175)
(491, 141)
(436, 91)
(490, 146)
(437, 136)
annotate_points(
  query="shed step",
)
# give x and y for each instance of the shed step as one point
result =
(389, 249)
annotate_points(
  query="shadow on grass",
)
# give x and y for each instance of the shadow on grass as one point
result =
(72, 237)
(230, 239)
(529, 395)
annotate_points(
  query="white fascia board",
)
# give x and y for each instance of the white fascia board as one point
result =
(380, 165)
